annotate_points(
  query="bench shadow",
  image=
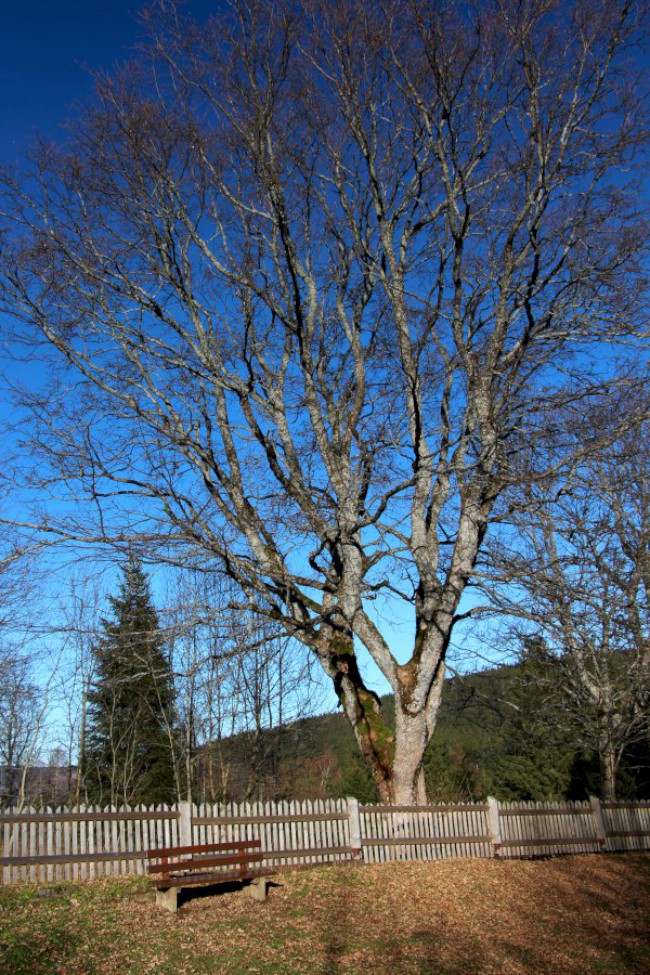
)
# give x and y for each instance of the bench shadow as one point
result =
(187, 894)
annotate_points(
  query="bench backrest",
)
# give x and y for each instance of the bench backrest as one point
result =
(236, 846)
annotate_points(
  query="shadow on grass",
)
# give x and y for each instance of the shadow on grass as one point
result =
(417, 954)
(203, 891)
(581, 919)
(40, 951)
(346, 942)
(604, 923)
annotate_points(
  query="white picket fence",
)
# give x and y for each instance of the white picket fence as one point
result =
(82, 843)
(49, 845)
(424, 832)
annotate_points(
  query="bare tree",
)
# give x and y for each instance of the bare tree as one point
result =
(78, 623)
(19, 727)
(576, 576)
(24, 697)
(237, 677)
(316, 273)
(273, 687)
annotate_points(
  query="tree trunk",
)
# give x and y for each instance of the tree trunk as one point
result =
(411, 740)
(608, 766)
(395, 756)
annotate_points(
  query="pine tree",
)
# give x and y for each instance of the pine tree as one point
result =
(129, 743)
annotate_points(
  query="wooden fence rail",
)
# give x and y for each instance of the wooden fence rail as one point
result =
(49, 845)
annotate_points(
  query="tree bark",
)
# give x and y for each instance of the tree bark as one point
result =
(608, 769)
(412, 738)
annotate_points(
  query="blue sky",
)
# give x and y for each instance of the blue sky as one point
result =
(46, 50)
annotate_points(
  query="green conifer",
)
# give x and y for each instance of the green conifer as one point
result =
(129, 742)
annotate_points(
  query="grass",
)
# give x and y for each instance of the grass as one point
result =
(571, 915)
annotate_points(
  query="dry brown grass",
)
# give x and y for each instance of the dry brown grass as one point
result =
(568, 916)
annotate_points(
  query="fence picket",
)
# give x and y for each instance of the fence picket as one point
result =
(82, 828)
(31, 842)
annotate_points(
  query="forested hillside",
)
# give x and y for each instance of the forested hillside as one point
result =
(493, 739)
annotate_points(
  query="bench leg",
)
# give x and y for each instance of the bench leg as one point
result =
(168, 899)
(257, 888)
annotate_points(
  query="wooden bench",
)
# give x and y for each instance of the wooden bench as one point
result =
(208, 863)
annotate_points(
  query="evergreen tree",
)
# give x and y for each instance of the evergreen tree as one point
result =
(129, 743)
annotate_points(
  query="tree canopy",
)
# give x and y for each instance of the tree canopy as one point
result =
(322, 278)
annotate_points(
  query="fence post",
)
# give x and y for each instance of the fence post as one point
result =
(599, 820)
(494, 824)
(185, 824)
(355, 826)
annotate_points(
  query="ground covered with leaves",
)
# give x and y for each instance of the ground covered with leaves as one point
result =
(585, 914)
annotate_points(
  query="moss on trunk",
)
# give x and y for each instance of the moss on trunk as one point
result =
(374, 735)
